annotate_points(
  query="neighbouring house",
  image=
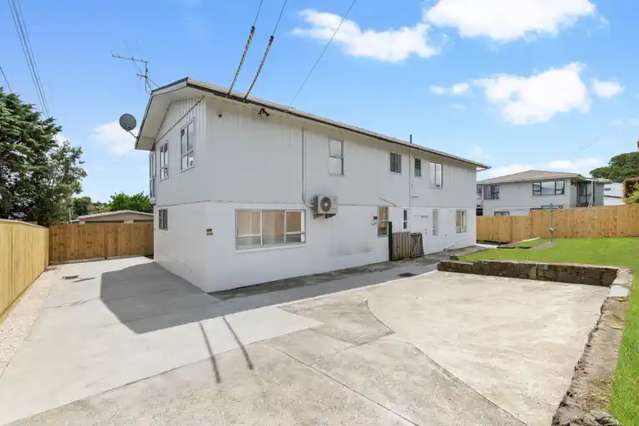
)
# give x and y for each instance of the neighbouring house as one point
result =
(119, 216)
(518, 193)
(247, 191)
(613, 194)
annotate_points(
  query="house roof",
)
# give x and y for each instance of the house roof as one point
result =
(161, 98)
(114, 213)
(533, 175)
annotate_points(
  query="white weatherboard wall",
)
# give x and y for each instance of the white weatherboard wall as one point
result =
(242, 161)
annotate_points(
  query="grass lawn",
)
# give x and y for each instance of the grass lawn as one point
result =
(597, 251)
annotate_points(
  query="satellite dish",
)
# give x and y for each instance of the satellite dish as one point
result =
(127, 122)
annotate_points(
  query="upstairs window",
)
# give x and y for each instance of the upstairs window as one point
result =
(395, 163)
(461, 221)
(491, 192)
(549, 187)
(335, 157)
(187, 142)
(164, 161)
(418, 167)
(436, 175)
(151, 174)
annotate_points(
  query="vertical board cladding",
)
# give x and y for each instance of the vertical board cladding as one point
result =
(590, 222)
(24, 255)
(100, 240)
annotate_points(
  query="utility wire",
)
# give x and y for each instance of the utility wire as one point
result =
(266, 51)
(6, 80)
(319, 58)
(23, 36)
(246, 48)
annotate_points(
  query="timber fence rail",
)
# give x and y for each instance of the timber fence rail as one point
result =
(591, 222)
(24, 255)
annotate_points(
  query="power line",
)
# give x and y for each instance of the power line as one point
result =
(246, 48)
(6, 80)
(23, 36)
(319, 58)
(267, 50)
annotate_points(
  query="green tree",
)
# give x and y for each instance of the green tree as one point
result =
(620, 167)
(38, 174)
(138, 202)
(633, 198)
(82, 206)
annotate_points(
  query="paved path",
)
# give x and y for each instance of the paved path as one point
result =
(123, 341)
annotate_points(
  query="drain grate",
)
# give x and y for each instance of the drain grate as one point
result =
(406, 274)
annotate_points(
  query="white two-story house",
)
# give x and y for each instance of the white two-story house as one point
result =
(518, 193)
(235, 183)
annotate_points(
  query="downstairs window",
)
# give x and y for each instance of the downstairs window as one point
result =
(267, 228)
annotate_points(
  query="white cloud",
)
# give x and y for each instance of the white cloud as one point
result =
(114, 138)
(392, 45)
(454, 90)
(606, 89)
(507, 20)
(580, 165)
(537, 98)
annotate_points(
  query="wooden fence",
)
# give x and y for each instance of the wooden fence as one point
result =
(406, 245)
(24, 254)
(608, 221)
(99, 240)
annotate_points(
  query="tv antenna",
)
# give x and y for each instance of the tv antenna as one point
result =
(142, 74)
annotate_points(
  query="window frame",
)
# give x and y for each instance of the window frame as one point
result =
(398, 157)
(432, 172)
(339, 157)
(152, 171)
(163, 219)
(490, 193)
(435, 223)
(416, 169)
(461, 228)
(405, 219)
(538, 189)
(285, 233)
(164, 161)
(382, 223)
(189, 152)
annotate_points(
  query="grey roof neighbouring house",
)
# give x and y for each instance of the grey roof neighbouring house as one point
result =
(116, 216)
(532, 176)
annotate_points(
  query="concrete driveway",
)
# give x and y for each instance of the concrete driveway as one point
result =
(123, 341)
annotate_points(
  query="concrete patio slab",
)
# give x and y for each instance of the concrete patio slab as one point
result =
(436, 348)
(514, 341)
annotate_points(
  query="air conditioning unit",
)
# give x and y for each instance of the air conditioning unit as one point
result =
(325, 205)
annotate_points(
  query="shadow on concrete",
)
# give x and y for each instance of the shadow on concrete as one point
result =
(147, 298)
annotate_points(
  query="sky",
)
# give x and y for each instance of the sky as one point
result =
(544, 84)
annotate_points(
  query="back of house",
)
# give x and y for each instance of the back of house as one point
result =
(248, 191)
(516, 194)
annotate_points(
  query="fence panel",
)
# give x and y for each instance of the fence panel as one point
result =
(100, 240)
(23, 256)
(591, 222)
